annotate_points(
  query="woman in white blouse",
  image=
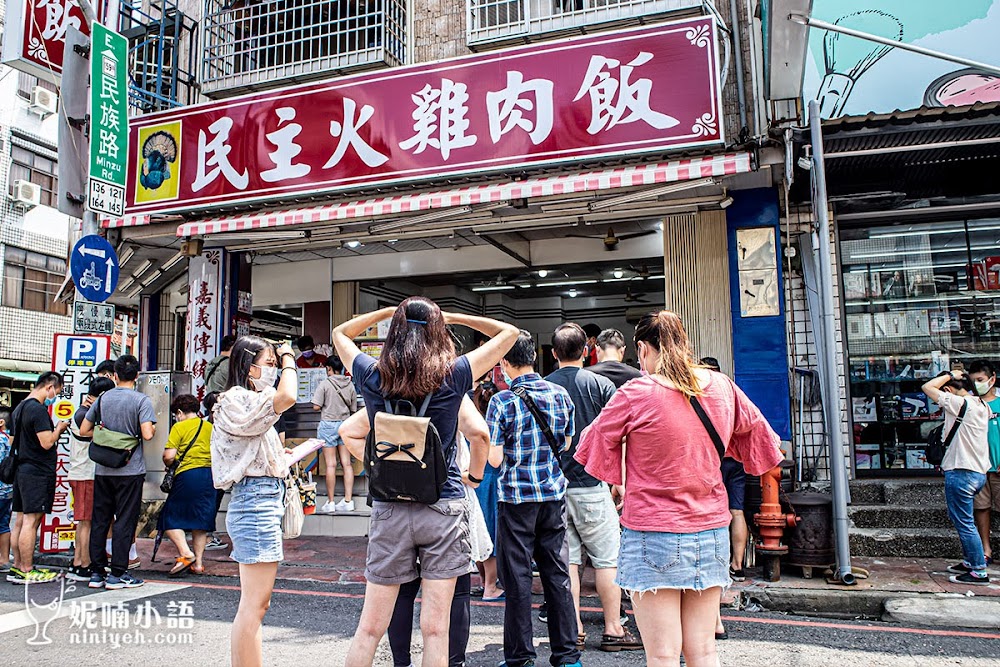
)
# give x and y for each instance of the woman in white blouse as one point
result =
(248, 458)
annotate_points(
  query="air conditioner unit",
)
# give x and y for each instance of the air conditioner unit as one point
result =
(27, 194)
(494, 14)
(43, 101)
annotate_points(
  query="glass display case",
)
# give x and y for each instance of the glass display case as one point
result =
(918, 299)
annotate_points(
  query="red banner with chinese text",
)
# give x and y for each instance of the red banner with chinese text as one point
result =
(644, 90)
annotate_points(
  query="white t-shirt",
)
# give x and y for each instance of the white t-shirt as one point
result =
(970, 449)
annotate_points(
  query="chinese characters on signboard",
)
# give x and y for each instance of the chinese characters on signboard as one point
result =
(35, 35)
(204, 315)
(97, 318)
(108, 121)
(75, 357)
(644, 90)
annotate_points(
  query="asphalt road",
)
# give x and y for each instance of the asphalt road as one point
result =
(177, 624)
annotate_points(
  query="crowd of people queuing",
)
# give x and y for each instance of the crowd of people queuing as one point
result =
(516, 478)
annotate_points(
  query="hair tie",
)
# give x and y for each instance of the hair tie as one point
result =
(416, 321)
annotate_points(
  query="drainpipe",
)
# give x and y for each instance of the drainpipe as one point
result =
(734, 24)
(831, 388)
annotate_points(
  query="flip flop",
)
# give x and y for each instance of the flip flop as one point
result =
(499, 598)
(197, 570)
(182, 565)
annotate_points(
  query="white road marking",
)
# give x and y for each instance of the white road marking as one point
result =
(16, 620)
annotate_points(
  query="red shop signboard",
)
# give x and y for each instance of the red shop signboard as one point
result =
(643, 90)
(35, 35)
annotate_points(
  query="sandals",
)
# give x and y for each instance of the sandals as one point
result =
(581, 640)
(182, 565)
(197, 570)
(627, 642)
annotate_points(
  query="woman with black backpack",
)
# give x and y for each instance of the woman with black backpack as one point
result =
(413, 393)
(965, 464)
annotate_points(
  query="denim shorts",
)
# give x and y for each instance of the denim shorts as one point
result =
(684, 561)
(5, 508)
(328, 433)
(253, 520)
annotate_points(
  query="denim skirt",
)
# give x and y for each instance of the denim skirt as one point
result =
(649, 561)
(253, 520)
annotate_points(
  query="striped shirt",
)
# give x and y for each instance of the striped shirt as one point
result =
(530, 473)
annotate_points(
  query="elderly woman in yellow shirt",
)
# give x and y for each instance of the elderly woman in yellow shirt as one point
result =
(192, 501)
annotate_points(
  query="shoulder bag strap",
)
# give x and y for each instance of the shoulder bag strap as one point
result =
(211, 374)
(201, 422)
(543, 423)
(709, 426)
(337, 391)
(958, 422)
(16, 435)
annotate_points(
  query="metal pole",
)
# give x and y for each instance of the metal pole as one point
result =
(878, 39)
(831, 387)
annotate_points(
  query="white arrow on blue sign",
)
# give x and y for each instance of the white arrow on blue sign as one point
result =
(94, 267)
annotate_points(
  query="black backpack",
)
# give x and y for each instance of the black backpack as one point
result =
(404, 459)
(936, 447)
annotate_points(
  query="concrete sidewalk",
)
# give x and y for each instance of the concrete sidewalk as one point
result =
(342, 560)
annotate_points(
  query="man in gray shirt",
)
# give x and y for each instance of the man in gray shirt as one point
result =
(118, 491)
(591, 517)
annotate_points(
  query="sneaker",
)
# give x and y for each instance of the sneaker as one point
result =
(134, 563)
(530, 663)
(13, 573)
(77, 573)
(737, 575)
(543, 613)
(327, 508)
(215, 544)
(96, 580)
(125, 581)
(970, 579)
(36, 576)
(344, 506)
(960, 568)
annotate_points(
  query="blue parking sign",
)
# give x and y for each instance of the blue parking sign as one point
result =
(81, 352)
(94, 267)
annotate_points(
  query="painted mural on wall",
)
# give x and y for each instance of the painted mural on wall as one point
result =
(851, 76)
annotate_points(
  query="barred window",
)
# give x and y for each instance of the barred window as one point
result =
(31, 281)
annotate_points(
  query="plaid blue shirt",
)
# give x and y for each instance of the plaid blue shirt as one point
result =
(6, 490)
(530, 472)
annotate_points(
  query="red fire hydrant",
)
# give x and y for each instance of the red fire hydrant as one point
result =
(772, 522)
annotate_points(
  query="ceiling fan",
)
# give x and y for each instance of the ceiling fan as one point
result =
(633, 297)
(611, 240)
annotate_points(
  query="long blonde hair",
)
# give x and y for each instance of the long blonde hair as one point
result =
(665, 332)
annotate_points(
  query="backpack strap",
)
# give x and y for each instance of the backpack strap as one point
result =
(954, 427)
(543, 423)
(710, 427)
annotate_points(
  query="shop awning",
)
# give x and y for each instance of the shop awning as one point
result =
(19, 376)
(591, 181)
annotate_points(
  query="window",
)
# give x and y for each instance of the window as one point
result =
(25, 82)
(918, 299)
(32, 280)
(29, 166)
(248, 43)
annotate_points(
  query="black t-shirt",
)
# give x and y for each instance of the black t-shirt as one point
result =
(615, 371)
(31, 418)
(442, 410)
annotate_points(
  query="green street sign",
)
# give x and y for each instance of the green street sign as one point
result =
(108, 121)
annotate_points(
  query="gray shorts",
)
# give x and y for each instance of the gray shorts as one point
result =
(404, 533)
(592, 524)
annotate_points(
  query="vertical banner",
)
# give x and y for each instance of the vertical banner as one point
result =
(205, 309)
(108, 121)
(75, 358)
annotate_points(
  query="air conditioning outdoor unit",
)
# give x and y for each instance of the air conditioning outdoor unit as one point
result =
(27, 194)
(43, 101)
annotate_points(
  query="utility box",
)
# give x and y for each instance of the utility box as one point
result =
(161, 387)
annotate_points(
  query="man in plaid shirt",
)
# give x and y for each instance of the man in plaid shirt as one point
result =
(531, 520)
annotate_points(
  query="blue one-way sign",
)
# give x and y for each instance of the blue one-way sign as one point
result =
(94, 267)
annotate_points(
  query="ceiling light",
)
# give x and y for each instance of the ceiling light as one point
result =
(726, 203)
(572, 293)
(392, 241)
(618, 273)
(142, 268)
(134, 293)
(567, 283)
(152, 278)
(650, 193)
(542, 273)
(353, 244)
(418, 219)
(268, 235)
(125, 257)
(167, 265)
(493, 288)
(659, 225)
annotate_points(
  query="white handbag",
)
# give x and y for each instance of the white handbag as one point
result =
(291, 523)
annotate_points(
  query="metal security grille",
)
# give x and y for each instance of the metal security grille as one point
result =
(254, 45)
(499, 20)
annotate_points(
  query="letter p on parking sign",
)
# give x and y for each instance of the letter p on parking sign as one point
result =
(81, 352)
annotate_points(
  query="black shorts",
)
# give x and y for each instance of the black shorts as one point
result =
(34, 492)
(735, 479)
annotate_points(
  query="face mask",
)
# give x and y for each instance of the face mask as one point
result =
(307, 354)
(506, 378)
(268, 375)
(50, 401)
(983, 388)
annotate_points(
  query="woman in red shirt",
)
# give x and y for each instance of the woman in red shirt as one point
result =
(674, 559)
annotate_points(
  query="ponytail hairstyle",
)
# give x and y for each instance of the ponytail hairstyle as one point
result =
(664, 331)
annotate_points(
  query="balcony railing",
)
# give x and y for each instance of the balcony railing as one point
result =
(499, 21)
(255, 45)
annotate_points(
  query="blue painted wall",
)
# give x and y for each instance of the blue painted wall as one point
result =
(760, 354)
